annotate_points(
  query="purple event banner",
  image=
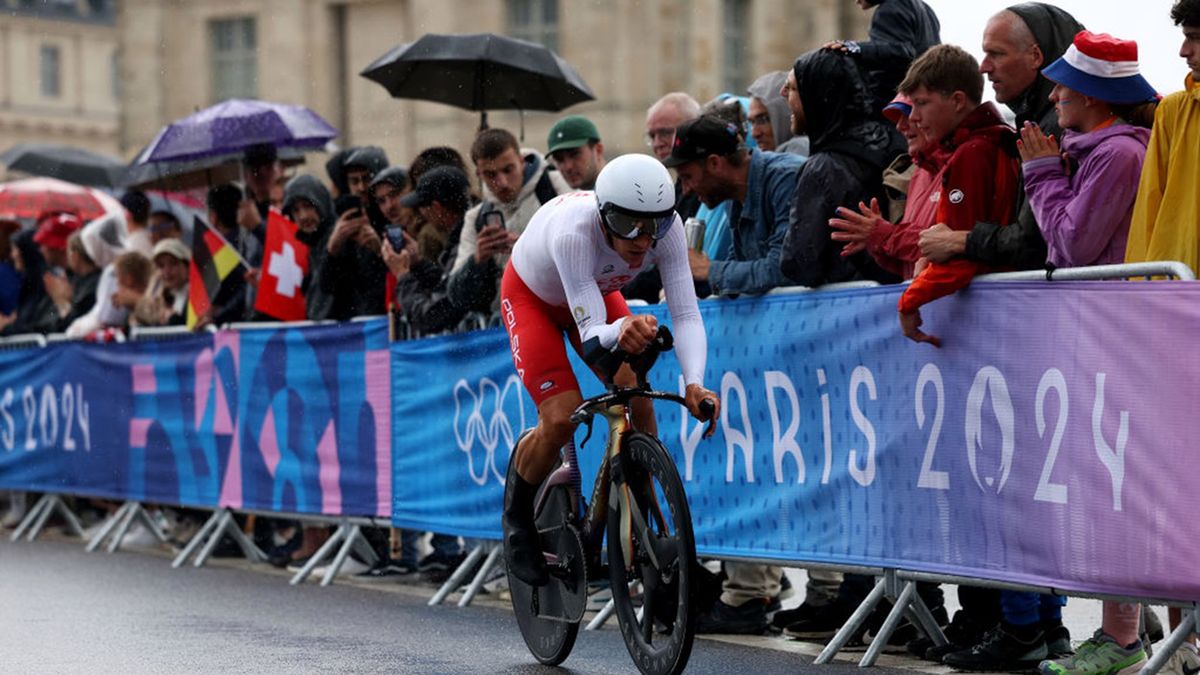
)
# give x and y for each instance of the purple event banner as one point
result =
(1048, 442)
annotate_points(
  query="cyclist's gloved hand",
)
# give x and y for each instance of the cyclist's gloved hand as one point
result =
(694, 396)
(637, 332)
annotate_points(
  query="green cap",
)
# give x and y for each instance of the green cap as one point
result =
(571, 132)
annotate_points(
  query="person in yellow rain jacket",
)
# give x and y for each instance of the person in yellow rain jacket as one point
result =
(1166, 215)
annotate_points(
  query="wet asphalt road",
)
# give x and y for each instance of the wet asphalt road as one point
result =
(65, 611)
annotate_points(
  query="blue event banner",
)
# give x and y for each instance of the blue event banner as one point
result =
(1035, 446)
(275, 419)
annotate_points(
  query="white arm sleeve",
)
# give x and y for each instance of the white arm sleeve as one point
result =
(691, 343)
(575, 257)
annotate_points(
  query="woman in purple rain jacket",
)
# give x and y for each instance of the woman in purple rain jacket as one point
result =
(1083, 195)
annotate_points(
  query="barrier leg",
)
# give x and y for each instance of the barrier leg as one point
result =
(197, 539)
(919, 614)
(889, 625)
(338, 560)
(144, 516)
(1173, 642)
(477, 582)
(122, 527)
(363, 547)
(112, 521)
(852, 624)
(457, 578)
(69, 516)
(211, 545)
(607, 611)
(46, 512)
(30, 516)
(249, 549)
(321, 554)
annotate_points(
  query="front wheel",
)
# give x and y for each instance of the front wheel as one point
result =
(651, 546)
(549, 640)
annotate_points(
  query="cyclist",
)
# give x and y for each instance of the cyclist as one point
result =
(565, 276)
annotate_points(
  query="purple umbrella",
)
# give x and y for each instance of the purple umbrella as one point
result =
(234, 125)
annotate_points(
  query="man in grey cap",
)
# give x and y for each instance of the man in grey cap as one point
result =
(770, 117)
(575, 148)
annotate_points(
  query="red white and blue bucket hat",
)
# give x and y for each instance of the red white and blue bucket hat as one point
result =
(1103, 67)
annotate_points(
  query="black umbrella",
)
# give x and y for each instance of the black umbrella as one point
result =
(480, 72)
(65, 163)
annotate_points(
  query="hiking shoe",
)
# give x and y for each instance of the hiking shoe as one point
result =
(1058, 640)
(1101, 655)
(388, 570)
(805, 612)
(962, 632)
(1185, 661)
(749, 618)
(823, 624)
(1000, 650)
(905, 633)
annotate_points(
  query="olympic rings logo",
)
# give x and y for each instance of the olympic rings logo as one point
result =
(471, 426)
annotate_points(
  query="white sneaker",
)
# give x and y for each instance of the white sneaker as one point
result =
(139, 536)
(1185, 661)
(349, 568)
(12, 518)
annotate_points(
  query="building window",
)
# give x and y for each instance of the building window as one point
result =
(535, 21)
(51, 72)
(116, 75)
(736, 39)
(234, 53)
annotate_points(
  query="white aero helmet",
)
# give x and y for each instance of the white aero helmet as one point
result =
(636, 197)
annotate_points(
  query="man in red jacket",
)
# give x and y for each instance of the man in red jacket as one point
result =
(980, 179)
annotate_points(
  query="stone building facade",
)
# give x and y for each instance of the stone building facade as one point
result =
(59, 78)
(181, 55)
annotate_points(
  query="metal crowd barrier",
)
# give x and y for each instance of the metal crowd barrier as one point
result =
(895, 585)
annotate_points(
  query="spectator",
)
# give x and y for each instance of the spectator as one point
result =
(711, 163)
(1163, 225)
(387, 191)
(53, 234)
(900, 31)
(337, 173)
(308, 204)
(575, 148)
(133, 271)
(10, 279)
(980, 178)
(361, 167)
(828, 97)
(916, 177)
(1084, 213)
(1017, 43)
(229, 304)
(35, 310)
(662, 119)
(516, 183)
(261, 167)
(137, 222)
(352, 274)
(163, 225)
(84, 280)
(442, 198)
(165, 301)
(428, 158)
(103, 240)
(770, 118)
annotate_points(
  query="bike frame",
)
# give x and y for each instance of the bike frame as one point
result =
(614, 406)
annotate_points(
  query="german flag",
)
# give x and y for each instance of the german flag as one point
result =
(213, 259)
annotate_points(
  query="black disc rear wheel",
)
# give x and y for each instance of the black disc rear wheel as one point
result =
(652, 548)
(550, 641)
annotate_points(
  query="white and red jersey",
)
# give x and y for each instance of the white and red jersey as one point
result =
(565, 259)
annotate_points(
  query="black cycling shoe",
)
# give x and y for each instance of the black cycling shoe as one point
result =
(522, 550)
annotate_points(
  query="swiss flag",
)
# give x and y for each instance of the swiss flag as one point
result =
(285, 262)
